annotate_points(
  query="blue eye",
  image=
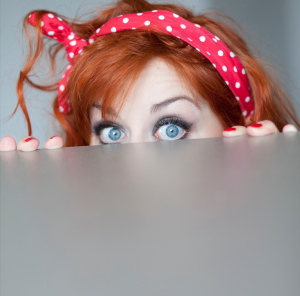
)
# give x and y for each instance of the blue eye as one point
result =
(110, 134)
(114, 134)
(170, 132)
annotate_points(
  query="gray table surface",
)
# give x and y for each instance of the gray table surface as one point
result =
(195, 217)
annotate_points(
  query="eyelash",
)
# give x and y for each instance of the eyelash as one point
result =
(173, 120)
(99, 126)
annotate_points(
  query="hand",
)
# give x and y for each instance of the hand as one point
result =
(8, 143)
(262, 128)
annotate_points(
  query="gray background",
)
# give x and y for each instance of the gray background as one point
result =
(272, 26)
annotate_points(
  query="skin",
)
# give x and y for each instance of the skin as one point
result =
(158, 93)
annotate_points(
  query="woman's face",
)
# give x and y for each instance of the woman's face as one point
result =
(158, 108)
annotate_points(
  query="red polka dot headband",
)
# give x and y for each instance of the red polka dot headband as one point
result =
(222, 58)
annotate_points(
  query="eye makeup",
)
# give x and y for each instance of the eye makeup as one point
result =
(98, 126)
(164, 120)
(172, 119)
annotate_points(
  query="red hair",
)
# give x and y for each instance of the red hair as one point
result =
(111, 65)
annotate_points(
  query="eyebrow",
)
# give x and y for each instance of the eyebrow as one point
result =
(156, 107)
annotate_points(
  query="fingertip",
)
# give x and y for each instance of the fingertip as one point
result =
(28, 144)
(254, 129)
(54, 142)
(289, 128)
(229, 132)
(8, 143)
(262, 128)
(234, 131)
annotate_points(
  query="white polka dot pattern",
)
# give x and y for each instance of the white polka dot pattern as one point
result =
(55, 28)
(209, 45)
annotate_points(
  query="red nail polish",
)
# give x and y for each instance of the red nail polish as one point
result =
(52, 137)
(29, 139)
(256, 125)
(230, 129)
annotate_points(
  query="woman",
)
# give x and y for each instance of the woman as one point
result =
(141, 72)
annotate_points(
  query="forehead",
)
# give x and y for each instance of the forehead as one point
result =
(157, 81)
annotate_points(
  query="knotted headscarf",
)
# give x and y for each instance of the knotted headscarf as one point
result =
(209, 45)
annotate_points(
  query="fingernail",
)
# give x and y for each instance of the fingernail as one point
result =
(230, 129)
(256, 125)
(29, 139)
(52, 137)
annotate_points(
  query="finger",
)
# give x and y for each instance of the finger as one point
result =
(28, 144)
(8, 143)
(289, 128)
(54, 142)
(262, 128)
(235, 131)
